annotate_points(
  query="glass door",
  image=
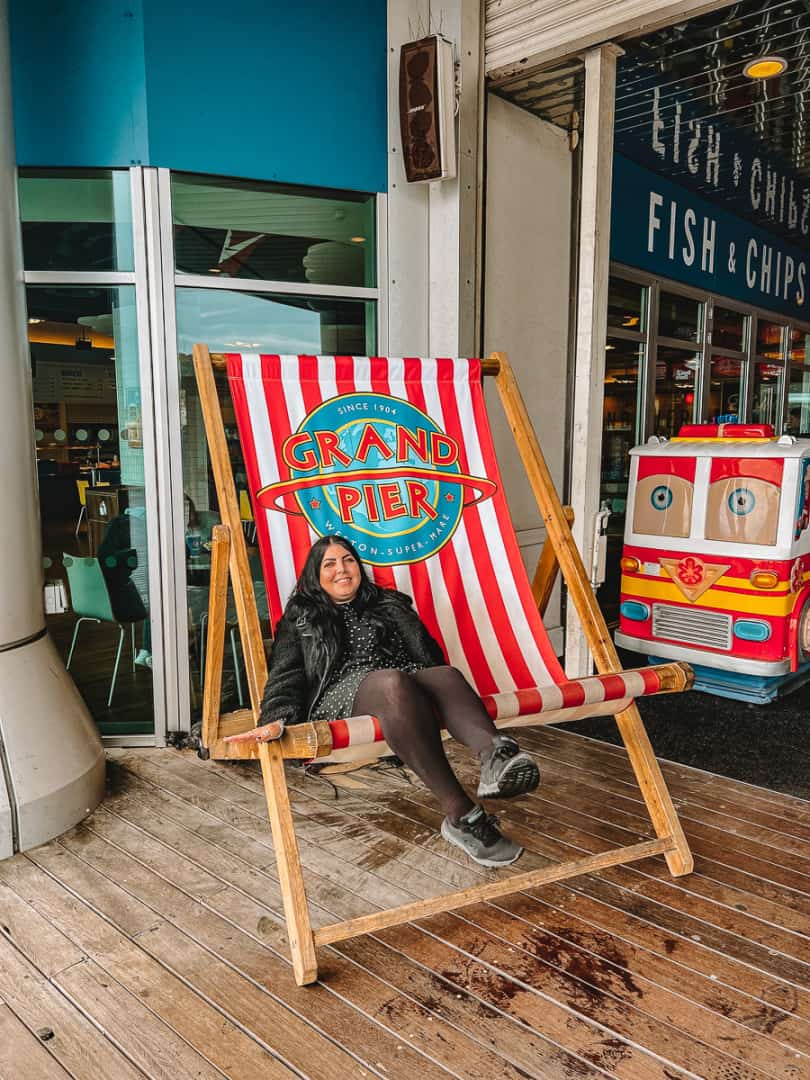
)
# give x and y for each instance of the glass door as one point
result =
(92, 435)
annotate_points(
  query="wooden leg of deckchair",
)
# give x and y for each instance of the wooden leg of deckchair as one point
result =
(296, 911)
(651, 781)
(288, 860)
(654, 789)
(215, 646)
(548, 567)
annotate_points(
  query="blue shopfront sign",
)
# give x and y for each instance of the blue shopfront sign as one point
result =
(669, 231)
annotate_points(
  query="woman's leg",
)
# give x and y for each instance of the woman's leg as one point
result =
(506, 770)
(411, 728)
(461, 710)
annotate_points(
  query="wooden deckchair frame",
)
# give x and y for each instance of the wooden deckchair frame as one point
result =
(229, 561)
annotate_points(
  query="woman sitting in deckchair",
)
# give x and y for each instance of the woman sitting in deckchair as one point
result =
(346, 647)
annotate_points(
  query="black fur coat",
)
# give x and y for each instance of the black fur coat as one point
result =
(304, 654)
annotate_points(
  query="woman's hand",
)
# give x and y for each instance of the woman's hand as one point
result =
(264, 733)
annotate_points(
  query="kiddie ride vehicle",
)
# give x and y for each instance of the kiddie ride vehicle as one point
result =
(716, 561)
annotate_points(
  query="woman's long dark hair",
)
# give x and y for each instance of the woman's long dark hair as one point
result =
(308, 596)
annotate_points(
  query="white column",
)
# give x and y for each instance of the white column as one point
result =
(433, 237)
(51, 761)
(594, 264)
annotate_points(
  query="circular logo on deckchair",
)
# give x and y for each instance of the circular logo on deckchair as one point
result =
(380, 472)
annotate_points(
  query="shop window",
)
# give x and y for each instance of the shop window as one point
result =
(798, 413)
(267, 232)
(766, 393)
(622, 364)
(80, 220)
(675, 376)
(725, 379)
(627, 305)
(769, 340)
(94, 502)
(680, 317)
(728, 329)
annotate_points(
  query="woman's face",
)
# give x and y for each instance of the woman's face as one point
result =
(340, 574)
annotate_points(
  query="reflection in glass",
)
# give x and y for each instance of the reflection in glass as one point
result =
(798, 418)
(798, 345)
(626, 305)
(769, 340)
(622, 362)
(766, 393)
(246, 229)
(242, 322)
(76, 219)
(93, 501)
(728, 329)
(675, 371)
(680, 317)
(725, 378)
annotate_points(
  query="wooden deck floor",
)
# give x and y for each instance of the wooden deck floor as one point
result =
(146, 942)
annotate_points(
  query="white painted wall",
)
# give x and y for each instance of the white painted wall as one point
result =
(526, 298)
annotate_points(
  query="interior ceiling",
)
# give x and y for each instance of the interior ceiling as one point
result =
(695, 67)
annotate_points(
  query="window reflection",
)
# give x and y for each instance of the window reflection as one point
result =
(675, 373)
(725, 380)
(241, 322)
(80, 220)
(626, 305)
(245, 229)
(680, 317)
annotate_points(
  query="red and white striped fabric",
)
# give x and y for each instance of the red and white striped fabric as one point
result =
(472, 592)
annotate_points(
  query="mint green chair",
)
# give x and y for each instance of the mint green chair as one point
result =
(90, 600)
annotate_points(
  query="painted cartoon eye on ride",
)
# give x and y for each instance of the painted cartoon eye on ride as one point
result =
(661, 497)
(741, 501)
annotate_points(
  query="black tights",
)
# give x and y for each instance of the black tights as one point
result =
(412, 709)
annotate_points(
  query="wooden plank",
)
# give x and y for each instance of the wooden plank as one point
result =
(628, 801)
(645, 766)
(464, 953)
(614, 911)
(49, 950)
(654, 1014)
(366, 994)
(215, 646)
(72, 1039)
(676, 913)
(151, 1044)
(786, 807)
(727, 1033)
(22, 1055)
(791, 868)
(250, 951)
(163, 994)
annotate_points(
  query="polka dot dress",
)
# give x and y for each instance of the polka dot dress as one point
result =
(363, 655)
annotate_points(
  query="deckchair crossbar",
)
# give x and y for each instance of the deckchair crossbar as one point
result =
(490, 890)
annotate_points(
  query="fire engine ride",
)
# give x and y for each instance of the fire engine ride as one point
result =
(716, 561)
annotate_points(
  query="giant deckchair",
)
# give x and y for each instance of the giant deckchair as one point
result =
(397, 455)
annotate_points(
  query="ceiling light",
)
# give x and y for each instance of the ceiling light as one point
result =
(34, 320)
(765, 67)
(214, 270)
(358, 239)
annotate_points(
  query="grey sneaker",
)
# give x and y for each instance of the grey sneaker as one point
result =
(478, 835)
(506, 770)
